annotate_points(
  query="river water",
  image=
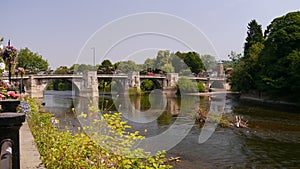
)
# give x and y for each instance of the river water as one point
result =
(272, 139)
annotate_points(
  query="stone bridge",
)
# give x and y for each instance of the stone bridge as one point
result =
(86, 84)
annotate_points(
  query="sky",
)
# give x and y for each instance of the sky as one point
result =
(60, 30)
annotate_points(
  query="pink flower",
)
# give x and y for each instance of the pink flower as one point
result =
(1, 96)
(12, 94)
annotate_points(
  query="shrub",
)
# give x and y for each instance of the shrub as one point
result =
(185, 85)
(201, 87)
(147, 85)
(62, 149)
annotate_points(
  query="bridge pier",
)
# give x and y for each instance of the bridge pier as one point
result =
(171, 81)
(134, 80)
(35, 87)
(89, 85)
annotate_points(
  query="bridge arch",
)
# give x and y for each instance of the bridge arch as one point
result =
(35, 86)
(217, 84)
(157, 84)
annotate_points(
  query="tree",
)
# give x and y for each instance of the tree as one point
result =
(31, 62)
(162, 58)
(127, 66)
(106, 67)
(192, 60)
(168, 68)
(79, 68)
(254, 35)
(185, 85)
(178, 63)
(147, 85)
(282, 43)
(148, 64)
(244, 76)
(209, 62)
(271, 65)
(62, 70)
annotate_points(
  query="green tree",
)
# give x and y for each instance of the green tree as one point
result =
(244, 76)
(209, 62)
(32, 62)
(147, 85)
(254, 35)
(178, 63)
(282, 43)
(106, 67)
(185, 85)
(62, 70)
(162, 58)
(192, 60)
(127, 66)
(78, 68)
(168, 68)
(148, 64)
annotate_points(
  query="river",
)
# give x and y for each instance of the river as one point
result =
(272, 139)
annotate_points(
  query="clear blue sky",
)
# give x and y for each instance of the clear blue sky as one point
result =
(58, 29)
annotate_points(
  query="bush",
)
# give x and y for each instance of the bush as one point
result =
(134, 91)
(185, 85)
(147, 85)
(201, 87)
(62, 149)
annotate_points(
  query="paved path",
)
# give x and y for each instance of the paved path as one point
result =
(29, 155)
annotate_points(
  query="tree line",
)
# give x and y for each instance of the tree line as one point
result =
(270, 64)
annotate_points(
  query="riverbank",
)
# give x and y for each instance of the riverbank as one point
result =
(257, 99)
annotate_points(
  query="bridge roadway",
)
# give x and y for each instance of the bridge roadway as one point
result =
(88, 82)
(104, 76)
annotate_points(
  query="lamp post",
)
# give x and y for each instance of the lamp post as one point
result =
(94, 56)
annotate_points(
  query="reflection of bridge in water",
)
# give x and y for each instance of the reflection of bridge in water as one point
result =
(87, 84)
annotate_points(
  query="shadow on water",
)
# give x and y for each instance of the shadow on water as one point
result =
(271, 141)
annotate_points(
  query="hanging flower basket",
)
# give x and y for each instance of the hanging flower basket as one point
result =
(9, 55)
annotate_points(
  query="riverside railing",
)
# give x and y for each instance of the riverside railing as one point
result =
(6, 154)
(10, 123)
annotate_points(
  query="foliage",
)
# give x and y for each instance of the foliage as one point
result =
(162, 58)
(271, 65)
(31, 62)
(201, 87)
(9, 55)
(149, 63)
(209, 62)
(61, 149)
(168, 68)
(62, 70)
(192, 60)
(254, 35)
(106, 67)
(178, 63)
(147, 85)
(60, 85)
(80, 68)
(127, 66)
(185, 85)
(105, 86)
(134, 91)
